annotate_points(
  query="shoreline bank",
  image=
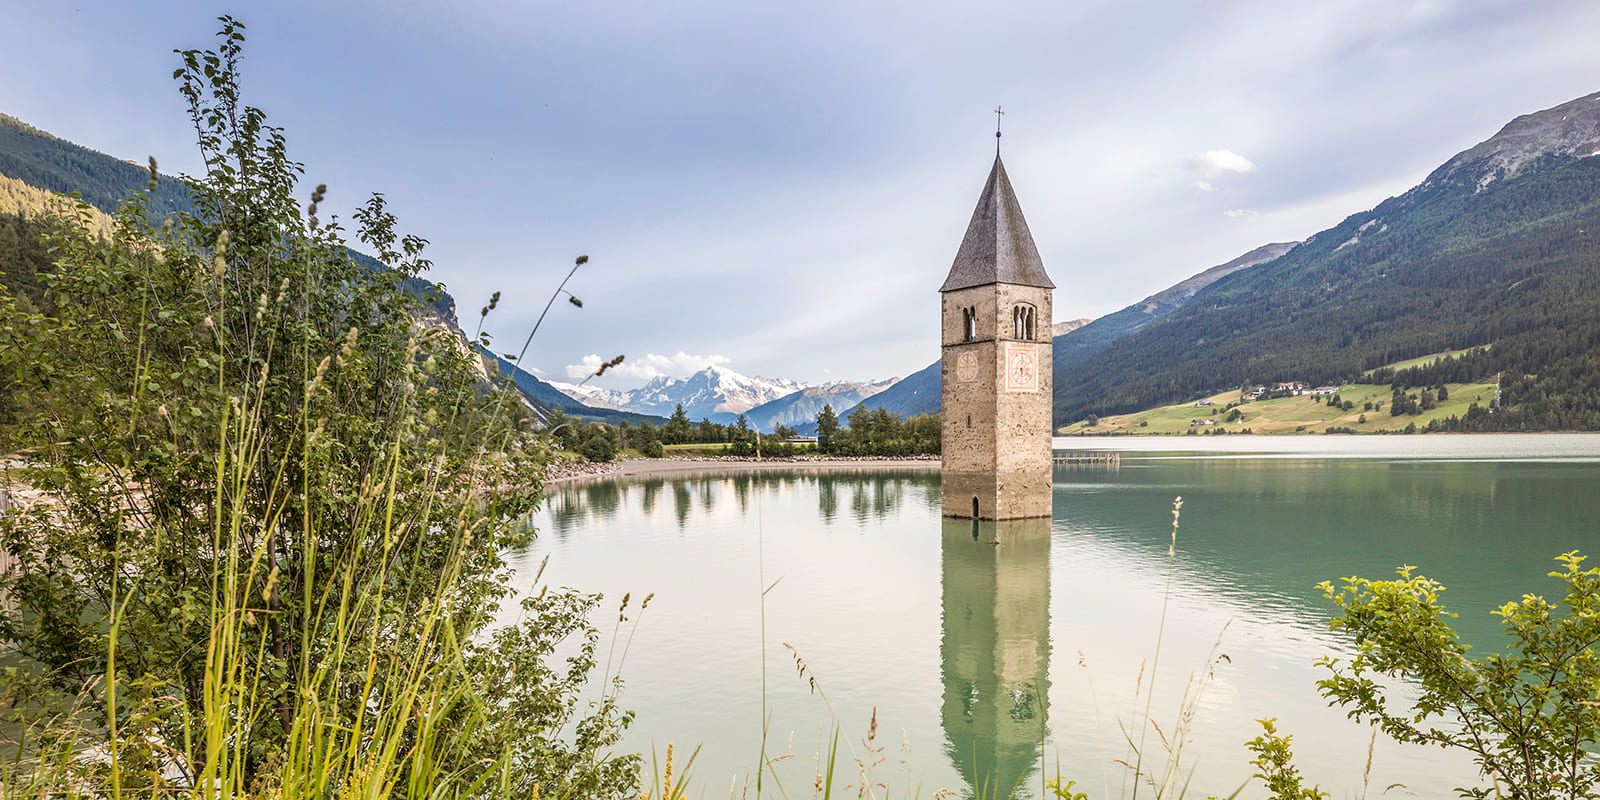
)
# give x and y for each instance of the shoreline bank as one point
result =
(656, 467)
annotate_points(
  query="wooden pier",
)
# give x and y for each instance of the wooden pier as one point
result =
(1106, 459)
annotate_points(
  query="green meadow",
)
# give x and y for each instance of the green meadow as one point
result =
(1368, 412)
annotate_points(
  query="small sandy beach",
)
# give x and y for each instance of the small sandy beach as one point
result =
(666, 467)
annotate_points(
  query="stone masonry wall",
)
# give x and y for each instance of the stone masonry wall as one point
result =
(968, 409)
(996, 442)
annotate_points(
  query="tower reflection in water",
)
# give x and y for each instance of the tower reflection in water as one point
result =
(995, 651)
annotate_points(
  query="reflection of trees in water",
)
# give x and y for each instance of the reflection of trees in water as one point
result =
(874, 496)
(604, 498)
(651, 489)
(995, 650)
(869, 495)
(708, 496)
(571, 507)
(741, 491)
(860, 502)
(828, 497)
(567, 511)
(886, 494)
(681, 500)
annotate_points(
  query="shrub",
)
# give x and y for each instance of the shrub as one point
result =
(278, 497)
(1526, 715)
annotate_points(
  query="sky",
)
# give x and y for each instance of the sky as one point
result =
(781, 188)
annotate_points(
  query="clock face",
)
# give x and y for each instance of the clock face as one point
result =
(967, 367)
(1022, 367)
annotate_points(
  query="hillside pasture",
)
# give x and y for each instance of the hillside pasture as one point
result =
(1286, 415)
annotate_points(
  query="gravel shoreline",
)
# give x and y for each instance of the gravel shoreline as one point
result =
(642, 467)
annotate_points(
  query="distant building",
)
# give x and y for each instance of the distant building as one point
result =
(1203, 403)
(1325, 390)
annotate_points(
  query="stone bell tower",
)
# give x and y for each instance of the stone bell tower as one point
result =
(995, 367)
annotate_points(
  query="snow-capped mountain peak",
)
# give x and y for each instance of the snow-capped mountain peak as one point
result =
(715, 390)
(591, 396)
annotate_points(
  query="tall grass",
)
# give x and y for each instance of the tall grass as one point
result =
(378, 705)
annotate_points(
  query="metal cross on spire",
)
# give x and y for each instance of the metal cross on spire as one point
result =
(997, 115)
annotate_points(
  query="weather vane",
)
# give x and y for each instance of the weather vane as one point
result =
(997, 115)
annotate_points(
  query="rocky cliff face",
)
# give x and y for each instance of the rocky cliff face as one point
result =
(1570, 129)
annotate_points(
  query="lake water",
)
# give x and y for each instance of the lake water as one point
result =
(1002, 664)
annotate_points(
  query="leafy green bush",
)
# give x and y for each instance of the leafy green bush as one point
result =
(270, 557)
(1527, 715)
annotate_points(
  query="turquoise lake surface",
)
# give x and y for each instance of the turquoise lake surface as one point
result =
(996, 655)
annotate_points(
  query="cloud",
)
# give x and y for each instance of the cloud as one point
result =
(1237, 213)
(1216, 162)
(649, 366)
(1204, 186)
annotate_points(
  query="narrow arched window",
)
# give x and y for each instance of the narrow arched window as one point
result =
(1022, 322)
(969, 323)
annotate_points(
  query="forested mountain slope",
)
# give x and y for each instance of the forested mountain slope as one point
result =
(45, 162)
(1500, 246)
(1099, 334)
(547, 397)
(56, 165)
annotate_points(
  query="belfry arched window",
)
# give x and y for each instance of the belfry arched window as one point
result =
(969, 324)
(1022, 322)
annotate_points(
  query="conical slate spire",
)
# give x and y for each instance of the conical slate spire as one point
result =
(997, 247)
